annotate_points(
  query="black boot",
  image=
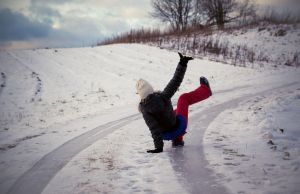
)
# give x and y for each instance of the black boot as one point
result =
(204, 81)
(177, 143)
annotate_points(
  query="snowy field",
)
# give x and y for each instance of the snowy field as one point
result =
(69, 124)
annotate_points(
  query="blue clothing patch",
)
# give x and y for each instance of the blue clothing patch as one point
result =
(179, 131)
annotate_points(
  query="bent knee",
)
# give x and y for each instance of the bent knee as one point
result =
(183, 96)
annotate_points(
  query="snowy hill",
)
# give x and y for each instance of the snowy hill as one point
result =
(74, 113)
(261, 45)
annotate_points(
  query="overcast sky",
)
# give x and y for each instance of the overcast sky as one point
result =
(70, 23)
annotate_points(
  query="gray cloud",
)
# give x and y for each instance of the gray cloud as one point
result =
(44, 13)
(52, 2)
(15, 26)
(68, 23)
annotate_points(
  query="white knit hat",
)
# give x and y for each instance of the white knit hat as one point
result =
(143, 88)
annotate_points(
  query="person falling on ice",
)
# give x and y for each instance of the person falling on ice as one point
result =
(165, 123)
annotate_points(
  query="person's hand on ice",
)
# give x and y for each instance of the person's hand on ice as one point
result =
(184, 59)
(157, 150)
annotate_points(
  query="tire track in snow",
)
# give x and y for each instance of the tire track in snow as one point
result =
(190, 161)
(38, 91)
(14, 56)
(36, 179)
(3, 82)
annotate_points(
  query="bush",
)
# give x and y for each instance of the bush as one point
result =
(280, 32)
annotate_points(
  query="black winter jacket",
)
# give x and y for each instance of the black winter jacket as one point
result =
(157, 108)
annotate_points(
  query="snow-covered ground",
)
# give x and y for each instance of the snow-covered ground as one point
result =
(49, 97)
(255, 148)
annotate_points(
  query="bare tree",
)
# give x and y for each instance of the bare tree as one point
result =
(198, 16)
(220, 12)
(217, 10)
(246, 11)
(176, 12)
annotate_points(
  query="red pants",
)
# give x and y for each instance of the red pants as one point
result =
(187, 99)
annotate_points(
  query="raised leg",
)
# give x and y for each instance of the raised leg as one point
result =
(187, 99)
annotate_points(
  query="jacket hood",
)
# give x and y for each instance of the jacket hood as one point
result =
(143, 88)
